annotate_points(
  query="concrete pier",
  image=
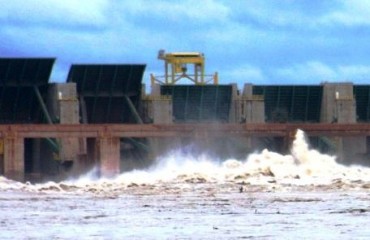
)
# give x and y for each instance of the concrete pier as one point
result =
(160, 111)
(14, 158)
(339, 106)
(253, 107)
(64, 106)
(108, 156)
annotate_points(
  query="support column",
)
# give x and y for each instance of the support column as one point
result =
(109, 156)
(339, 106)
(36, 157)
(161, 112)
(234, 113)
(252, 110)
(14, 158)
(252, 106)
(66, 109)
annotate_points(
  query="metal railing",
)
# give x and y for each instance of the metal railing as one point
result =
(198, 80)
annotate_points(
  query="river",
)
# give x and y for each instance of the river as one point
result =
(303, 195)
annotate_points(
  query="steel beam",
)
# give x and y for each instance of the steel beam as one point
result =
(180, 130)
(133, 110)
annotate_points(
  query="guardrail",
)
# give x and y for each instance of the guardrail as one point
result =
(197, 79)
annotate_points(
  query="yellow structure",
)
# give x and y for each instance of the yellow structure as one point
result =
(176, 68)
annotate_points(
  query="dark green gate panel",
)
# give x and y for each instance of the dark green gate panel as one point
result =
(199, 103)
(291, 103)
(18, 77)
(20, 105)
(362, 95)
(18, 72)
(104, 88)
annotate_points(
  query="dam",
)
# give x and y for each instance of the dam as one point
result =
(102, 116)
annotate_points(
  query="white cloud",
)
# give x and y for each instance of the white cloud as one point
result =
(54, 12)
(195, 10)
(310, 71)
(358, 73)
(274, 13)
(315, 72)
(251, 35)
(120, 24)
(350, 13)
(243, 73)
(305, 14)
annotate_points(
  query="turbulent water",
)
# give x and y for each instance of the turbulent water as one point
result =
(305, 195)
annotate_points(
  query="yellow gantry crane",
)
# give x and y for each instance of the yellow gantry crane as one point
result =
(176, 68)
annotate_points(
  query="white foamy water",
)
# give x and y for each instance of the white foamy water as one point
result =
(303, 167)
(265, 196)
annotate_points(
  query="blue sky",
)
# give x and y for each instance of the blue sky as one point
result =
(254, 41)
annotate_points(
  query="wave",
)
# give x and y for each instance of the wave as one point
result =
(302, 167)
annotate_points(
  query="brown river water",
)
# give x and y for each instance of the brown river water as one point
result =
(303, 195)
